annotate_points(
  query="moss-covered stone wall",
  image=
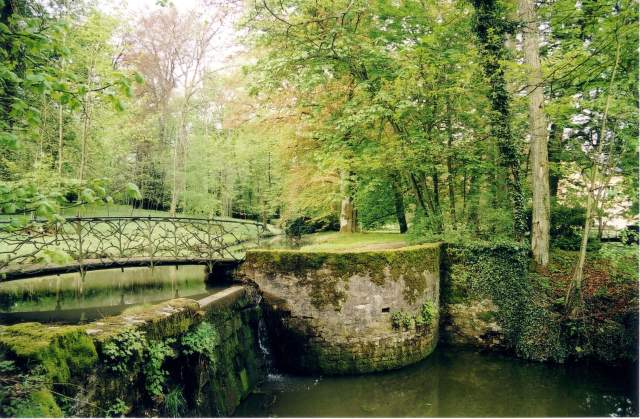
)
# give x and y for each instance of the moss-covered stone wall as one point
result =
(491, 299)
(484, 288)
(178, 358)
(348, 312)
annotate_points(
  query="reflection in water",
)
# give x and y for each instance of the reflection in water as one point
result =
(453, 382)
(69, 299)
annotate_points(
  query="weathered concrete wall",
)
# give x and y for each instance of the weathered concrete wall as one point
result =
(353, 312)
(182, 357)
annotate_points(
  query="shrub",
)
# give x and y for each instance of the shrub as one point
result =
(305, 225)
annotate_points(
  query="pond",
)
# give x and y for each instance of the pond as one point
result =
(453, 382)
(69, 299)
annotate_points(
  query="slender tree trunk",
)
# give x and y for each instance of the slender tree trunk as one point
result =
(473, 204)
(418, 193)
(436, 189)
(84, 135)
(174, 180)
(574, 293)
(348, 222)
(43, 132)
(539, 137)
(179, 163)
(450, 172)
(399, 204)
(464, 192)
(554, 148)
(433, 201)
(60, 139)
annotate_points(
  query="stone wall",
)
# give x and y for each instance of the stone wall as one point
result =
(483, 292)
(179, 358)
(492, 300)
(351, 312)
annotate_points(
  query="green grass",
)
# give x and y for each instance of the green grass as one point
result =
(336, 242)
(113, 210)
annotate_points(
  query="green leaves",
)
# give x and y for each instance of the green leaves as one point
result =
(132, 191)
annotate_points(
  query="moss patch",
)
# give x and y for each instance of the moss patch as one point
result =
(40, 404)
(62, 350)
(327, 273)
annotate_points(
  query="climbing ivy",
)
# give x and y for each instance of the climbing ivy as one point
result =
(497, 271)
(491, 27)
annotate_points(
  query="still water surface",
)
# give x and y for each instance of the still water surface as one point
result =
(453, 382)
(69, 299)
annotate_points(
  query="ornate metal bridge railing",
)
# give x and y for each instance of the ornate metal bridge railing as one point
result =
(84, 243)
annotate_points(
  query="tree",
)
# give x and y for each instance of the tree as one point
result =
(492, 27)
(538, 136)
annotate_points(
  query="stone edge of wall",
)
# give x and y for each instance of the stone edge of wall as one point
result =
(69, 353)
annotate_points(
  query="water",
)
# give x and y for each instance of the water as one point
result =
(453, 382)
(68, 299)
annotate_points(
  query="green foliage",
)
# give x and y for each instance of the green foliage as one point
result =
(498, 271)
(296, 227)
(541, 337)
(24, 393)
(375, 202)
(566, 228)
(41, 403)
(117, 409)
(428, 313)
(622, 260)
(174, 403)
(124, 351)
(202, 341)
(402, 320)
(154, 375)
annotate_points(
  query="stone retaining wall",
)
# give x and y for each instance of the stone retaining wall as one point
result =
(350, 312)
(185, 357)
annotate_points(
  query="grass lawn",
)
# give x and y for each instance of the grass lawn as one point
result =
(337, 242)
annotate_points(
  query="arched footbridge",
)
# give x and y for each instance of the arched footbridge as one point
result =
(81, 244)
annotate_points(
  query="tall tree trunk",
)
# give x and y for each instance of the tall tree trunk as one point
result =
(433, 201)
(348, 221)
(450, 173)
(473, 201)
(179, 157)
(399, 204)
(554, 148)
(418, 192)
(574, 293)
(84, 135)
(43, 132)
(491, 31)
(88, 107)
(464, 191)
(60, 139)
(174, 181)
(538, 130)
(436, 189)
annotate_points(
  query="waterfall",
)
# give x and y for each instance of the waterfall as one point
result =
(264, 343)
